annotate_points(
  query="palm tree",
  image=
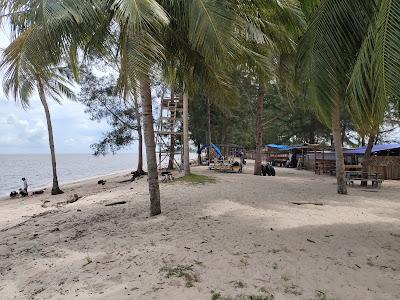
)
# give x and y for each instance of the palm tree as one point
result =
(349, 59)
(22, 78)
(277, 24)
(149, 138)
(43, 34)
(194, 29)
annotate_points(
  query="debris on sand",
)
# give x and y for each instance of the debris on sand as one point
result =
(74, 198)
(116, 203)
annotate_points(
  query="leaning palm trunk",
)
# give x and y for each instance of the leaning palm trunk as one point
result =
(259, 127)
(337, 140)
(186, 161)
(55, 189)
(154, 189)
(140, 136)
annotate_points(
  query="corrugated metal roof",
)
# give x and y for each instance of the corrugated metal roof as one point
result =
(376, 148)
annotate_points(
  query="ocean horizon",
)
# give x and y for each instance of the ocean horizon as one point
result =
(36, 168)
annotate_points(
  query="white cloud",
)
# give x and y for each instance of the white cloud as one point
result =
(26, 131)
(20, 132)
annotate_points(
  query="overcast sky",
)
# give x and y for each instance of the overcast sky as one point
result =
(26, 131)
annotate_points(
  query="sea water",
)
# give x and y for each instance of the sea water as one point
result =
(36, 168)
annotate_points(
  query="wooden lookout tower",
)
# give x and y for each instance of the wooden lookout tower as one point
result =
(170, 132)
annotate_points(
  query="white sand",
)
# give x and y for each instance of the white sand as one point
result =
(238, 237)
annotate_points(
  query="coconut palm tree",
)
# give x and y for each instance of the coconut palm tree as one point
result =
(273, 27)
(42, 34)
(348, 58)
(22, 79)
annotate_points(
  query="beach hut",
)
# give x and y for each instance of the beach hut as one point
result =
(385, 160)
(317, 157)
(278, 154)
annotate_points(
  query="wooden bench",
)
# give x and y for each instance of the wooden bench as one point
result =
(374, 182)
(166, 176)
(375, 178)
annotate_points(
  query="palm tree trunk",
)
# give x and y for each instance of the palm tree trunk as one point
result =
(337, 140)
(259, 127)
(186, 161)
(172, 144)
(149, 138)
(199, 154)
(140, 136)
(55, 189)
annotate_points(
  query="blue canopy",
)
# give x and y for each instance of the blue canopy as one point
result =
(376, 148)
(281, 147)
(213, 146)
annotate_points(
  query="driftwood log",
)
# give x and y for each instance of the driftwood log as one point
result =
(307, 203)
(116, 203)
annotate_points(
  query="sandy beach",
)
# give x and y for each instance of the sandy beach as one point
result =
(237, 238)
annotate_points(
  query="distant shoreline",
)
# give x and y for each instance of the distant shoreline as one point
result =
(67, 184)
(73, 182)
(70, 168)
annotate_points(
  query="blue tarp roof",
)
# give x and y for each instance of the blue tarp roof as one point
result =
(213, 146)
(281, 147)
(376, 148)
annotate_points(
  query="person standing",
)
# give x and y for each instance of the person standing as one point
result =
(24, 190)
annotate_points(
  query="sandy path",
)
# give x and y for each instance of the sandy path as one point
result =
(237, 238)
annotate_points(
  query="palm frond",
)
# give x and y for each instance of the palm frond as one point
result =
(211, 26)
(139, 14)
(388, 47)
(329, 49)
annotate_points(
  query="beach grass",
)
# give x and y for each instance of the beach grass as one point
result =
(196, 179)
(182, 271)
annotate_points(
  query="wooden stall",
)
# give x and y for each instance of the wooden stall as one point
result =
(319, 158)
(388, 166)
(385, 160)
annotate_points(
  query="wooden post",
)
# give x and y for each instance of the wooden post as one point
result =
(315, 161)
(303, 158)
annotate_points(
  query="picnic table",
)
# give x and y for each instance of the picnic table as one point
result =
(374, 177)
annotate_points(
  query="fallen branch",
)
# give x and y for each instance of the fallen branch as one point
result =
(116, 203)
(307, 203)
